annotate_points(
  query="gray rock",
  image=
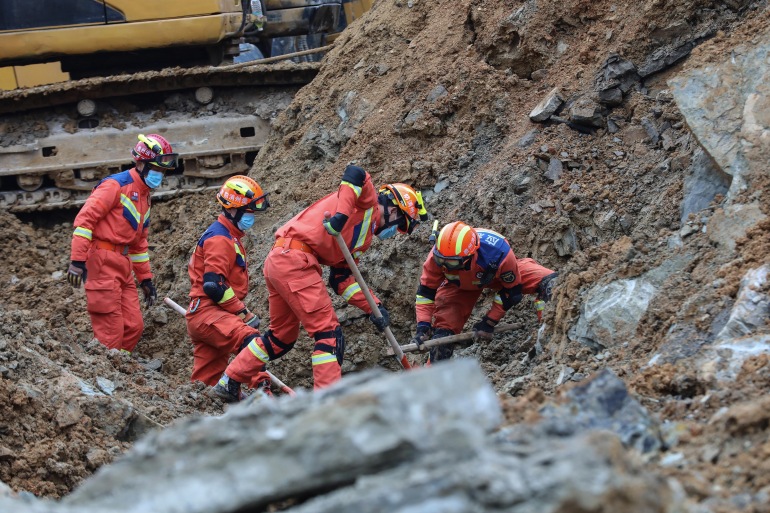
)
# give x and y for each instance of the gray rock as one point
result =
(603, 402)
(585, 111)
(703, 181)
(616, 72)
(555, 168)
(611, 313)
(725, 107)
(547, 107)
(265, 451)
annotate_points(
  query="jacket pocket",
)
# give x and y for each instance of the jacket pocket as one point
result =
(103, 296)
(310, 292)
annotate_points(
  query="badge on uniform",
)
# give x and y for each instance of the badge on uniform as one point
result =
(134, 196)
(508, 277)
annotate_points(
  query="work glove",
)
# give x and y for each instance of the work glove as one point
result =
(421, 334)
(76, 273)
(539, 307)
(335, 223)
(250, 318)
(381, 322)
(484, 329)
(150, 294)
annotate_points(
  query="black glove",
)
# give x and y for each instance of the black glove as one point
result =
(150, 294)
(380, 322)
(421, 334)
(484, 329)
(335, 223)
(76, 273)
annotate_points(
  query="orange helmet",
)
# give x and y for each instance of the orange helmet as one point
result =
(242, 192)
(409, 201)
(156, 150)
(455, 246)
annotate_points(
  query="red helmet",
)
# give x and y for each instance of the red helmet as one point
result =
(242, 192)
(409, 201)
(455, 246)
(156, 150)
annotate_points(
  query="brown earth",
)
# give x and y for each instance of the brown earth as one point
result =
(436, 94)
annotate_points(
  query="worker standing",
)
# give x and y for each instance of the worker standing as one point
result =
(218, 322)
(110, 241)
(292, 270)
(463, 262)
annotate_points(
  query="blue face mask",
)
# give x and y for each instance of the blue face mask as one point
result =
(388, 232)
(153, 179)
(246, 222)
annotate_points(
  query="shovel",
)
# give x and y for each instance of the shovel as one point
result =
(462, 337)
(396, 348)
(277, 382)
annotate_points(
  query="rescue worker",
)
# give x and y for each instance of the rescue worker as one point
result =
(463, 262)
(110, 241)
(218, 322)
(538, 281)
(292, 270)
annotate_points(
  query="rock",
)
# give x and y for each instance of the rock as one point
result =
(611, 313)
(267, 451)
(703, 181)
(725, 106)
(616, 72)
(611, 97)
(528, 138)
(729, 224)
(547, 107)
(652, 132)
(68, 414)
(603, 402)
(585, 111)
(665, 57)
(555, 168)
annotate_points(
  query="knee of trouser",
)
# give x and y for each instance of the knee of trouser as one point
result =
(339, 343)
(255, 345)
(276, 347)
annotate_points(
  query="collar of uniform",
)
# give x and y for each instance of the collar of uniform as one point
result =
(234, 230)
(138, 178)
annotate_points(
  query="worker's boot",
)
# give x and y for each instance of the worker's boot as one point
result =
(228, 390)
(263, 386)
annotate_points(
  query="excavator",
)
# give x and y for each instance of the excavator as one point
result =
(80, 79)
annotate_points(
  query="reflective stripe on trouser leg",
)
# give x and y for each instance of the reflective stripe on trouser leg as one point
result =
(327, 357)
(249, 362)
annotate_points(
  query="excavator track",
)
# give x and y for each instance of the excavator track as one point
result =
(53, 150)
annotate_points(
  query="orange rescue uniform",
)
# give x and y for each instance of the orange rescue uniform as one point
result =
(215, 329)
(297, 294)
(111, 237)
(445, 298)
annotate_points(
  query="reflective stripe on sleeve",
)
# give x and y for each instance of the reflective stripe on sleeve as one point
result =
(83, 232)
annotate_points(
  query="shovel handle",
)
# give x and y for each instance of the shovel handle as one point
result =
(277, 382)
(396, 348)
(462, 337)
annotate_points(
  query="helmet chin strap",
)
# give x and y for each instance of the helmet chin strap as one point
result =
(235, 218)
(386, 202)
